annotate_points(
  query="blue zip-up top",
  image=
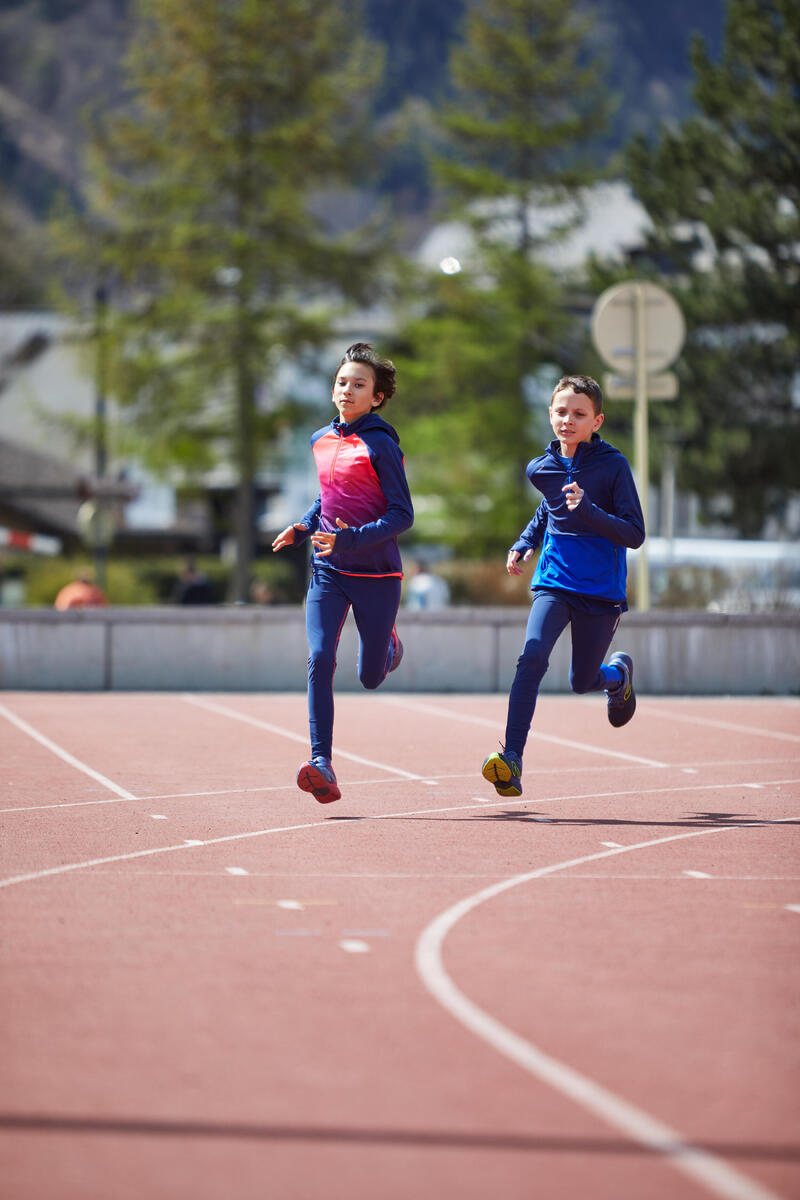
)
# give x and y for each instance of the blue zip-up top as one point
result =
(583, 549)
(362, 481)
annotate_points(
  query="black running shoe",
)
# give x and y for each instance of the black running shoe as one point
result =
(622, 698)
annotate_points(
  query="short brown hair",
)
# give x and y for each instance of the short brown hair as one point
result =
(584, 384)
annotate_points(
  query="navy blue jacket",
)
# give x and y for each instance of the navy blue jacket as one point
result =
(362, 480)
(583, 549)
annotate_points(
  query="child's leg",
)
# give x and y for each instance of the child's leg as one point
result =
(326, 609)
(591, 637)
(548, 618)
(375, 604)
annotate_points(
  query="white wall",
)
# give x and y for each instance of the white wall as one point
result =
(457, 649)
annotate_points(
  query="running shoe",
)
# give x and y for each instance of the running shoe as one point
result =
(621, 699)
(397, 657)
(504, 770)
(316, 776)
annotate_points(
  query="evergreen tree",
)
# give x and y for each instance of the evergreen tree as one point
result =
(723, 192)
(202, 217)
(526, 99)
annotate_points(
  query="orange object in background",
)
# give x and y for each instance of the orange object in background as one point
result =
(81, 593)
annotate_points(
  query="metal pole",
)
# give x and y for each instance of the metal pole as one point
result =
(640, 442)
(100, 450)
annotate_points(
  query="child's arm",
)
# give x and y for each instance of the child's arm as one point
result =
(529, 540)
(625, 525)
(296, 534)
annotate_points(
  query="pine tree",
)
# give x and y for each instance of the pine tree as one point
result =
(202, 215)
(723, 192)
(527, 100)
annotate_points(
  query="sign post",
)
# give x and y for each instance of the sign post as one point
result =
(638, 330)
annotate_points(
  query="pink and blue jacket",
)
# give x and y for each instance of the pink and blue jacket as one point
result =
(362, 480)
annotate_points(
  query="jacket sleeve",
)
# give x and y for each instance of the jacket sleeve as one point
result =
(387, 459)
(532, 535)
(623, 527)
(311, 522)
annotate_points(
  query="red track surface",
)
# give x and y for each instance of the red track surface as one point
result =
(214, 987)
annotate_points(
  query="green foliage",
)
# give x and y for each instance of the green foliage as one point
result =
(723, 192)
(526, 100)
(44, 577)
(467, 428)
(143, 581)
(200, 218)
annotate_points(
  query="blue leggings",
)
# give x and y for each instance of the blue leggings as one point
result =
(331, 594)
(591, 636)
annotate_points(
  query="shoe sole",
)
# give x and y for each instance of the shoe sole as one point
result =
(309, 779)
(495, 771)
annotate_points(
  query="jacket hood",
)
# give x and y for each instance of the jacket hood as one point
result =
(370, 420)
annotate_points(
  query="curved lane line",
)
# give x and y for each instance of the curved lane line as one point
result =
(701, 1166)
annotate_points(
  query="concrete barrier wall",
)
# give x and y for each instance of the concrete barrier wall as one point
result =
(457, 649)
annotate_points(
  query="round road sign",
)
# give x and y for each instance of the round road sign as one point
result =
(614, 327)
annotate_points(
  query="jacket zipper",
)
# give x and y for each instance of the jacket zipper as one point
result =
(335, 456)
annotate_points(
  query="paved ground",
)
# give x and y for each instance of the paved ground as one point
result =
(213, 987)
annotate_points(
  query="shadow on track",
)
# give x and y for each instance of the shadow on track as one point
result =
(422, 1138)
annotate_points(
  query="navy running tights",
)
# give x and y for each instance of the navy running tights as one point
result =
(591, 636)
(331, 594)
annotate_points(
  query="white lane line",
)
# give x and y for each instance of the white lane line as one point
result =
(159, 817)
(332, 822)
(354, 946)
(611, 845)
(224, 711)
(237, 871)
(634, 1122)
(729, 725)
(437, 711)
(438, 779)
(697, 875)
(64, 755)
(795, 908)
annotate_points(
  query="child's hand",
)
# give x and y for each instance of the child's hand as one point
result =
(287, 536)
(574, 494)
(324, 543)
(512, 562)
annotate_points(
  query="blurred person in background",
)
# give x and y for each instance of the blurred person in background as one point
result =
(425, 589)
(82, 592)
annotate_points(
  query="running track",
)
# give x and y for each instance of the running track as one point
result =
(213, 987)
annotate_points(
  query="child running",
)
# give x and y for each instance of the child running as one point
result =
(364, 503)
(589, 514)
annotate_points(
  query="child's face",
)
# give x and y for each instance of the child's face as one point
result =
(354, 391)
(573, 419)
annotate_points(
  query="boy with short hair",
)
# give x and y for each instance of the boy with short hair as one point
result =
(589, 515)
